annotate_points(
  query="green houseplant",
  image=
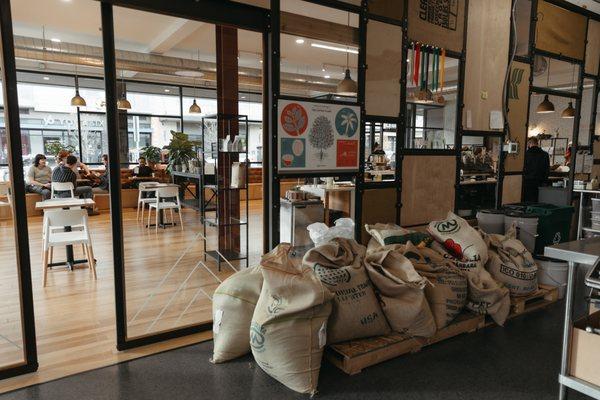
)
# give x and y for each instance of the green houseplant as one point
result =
(181, 150)
(151, 154)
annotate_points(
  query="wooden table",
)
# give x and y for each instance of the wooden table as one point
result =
(65, 203)
(324, 192)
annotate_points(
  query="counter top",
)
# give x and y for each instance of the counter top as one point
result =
(586, 191)
(585, 251)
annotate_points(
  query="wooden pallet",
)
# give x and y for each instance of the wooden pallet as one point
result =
(352, 356)
(545, 296)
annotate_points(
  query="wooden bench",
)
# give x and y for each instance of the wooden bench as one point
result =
(129, 198)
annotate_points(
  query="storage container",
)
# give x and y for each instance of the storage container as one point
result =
(491, 221)
(527, 227)
(554, 224)
(595, 215)
(553, 272)
(595, 204)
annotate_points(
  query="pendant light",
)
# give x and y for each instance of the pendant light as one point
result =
(195, 108)
(546, 106)
(77, 100)
(347, 87)
(123, 103)
(569, 112)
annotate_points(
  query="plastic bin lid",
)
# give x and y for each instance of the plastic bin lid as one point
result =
(519, 214)
(492, 211)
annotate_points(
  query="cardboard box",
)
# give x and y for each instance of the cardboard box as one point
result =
(585, 350)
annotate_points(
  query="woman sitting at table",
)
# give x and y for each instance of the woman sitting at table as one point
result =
(39, 177)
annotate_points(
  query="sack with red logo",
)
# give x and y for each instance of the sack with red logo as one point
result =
(233, 305)
(289, 325)
(460, 239)
(485, 295)
(339, 264)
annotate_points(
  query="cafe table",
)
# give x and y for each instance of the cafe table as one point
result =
(66, 203)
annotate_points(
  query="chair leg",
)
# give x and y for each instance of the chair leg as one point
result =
(149, 215)
(156, 222)
(137, 215)
(51, 251)
(83, 249)
(143, 209)
(180, 218)
(172, 218)
(91, 260)
(45, 267)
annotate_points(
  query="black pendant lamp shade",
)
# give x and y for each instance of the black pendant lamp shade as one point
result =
(347, 87)
(568, 112)
(77, 100)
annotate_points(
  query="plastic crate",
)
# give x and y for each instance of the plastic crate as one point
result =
(554, 224)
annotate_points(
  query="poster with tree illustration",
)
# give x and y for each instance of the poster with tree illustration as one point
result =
(316, 137)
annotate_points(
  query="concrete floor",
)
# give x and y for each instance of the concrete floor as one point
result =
(520, 361)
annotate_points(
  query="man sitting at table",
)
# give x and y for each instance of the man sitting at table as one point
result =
(143, 170)
(39, 177)
(67, 172)
(103, 180)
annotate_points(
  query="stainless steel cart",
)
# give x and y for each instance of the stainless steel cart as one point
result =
(581, 252)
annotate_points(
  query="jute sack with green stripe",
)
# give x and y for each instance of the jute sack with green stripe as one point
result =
(289, 324)
(233, 305)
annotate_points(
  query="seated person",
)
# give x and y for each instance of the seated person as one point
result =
(39, 177)
(67, 172)
(143, 170)
(60, 160)
(103, 181)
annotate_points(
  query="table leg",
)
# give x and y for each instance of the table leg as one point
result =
(326, 207)
(564, 364)
(70, 256)
(580, 216)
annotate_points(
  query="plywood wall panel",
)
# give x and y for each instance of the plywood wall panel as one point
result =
(387, 8)
(378, 205)
(592, 52)
(437, 22)
(511, 189)
(428, 188)
(560, 31)
(488, 34)
(518, 100)
(384, 59)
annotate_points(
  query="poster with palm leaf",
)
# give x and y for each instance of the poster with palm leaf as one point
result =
(318, 136)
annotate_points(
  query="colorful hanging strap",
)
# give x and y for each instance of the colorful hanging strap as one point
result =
(417, 64)
(411, 73)
(423, 68)
(436, 68)
(442, 70)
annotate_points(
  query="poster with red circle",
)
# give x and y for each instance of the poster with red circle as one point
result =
(294, 119)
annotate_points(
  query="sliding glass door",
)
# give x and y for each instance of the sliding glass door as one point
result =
(17, 332)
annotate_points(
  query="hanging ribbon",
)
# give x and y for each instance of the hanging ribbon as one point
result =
(436, 78)
(424, 68)
(442, 70)
(417, 64)
(411, 73)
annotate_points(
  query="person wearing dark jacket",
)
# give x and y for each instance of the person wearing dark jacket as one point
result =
(535, 171)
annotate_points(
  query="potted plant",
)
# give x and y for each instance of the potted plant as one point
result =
(151, 154)
(181, 150)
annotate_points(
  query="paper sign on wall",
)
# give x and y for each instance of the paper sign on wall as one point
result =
(317, 136)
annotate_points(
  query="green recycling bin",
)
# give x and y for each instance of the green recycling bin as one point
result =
(554, 224)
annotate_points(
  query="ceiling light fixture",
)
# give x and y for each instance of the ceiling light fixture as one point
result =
(350, 50)
(327, 76)
(569, 112)
(167, 90)
(77, 100)
(55, 40)
(46, 78)
(123, 103)
(299, 41)
(347, 87)
(195, 108)
(546, 106)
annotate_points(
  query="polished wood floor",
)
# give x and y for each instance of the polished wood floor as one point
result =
(169, 284)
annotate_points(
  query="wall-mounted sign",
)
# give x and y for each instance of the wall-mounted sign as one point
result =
(317, 136)
(442, 13)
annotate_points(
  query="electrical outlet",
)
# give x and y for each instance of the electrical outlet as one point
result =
(484, 95)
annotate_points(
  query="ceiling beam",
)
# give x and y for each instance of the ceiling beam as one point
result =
(176, 32)
(318, 29)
